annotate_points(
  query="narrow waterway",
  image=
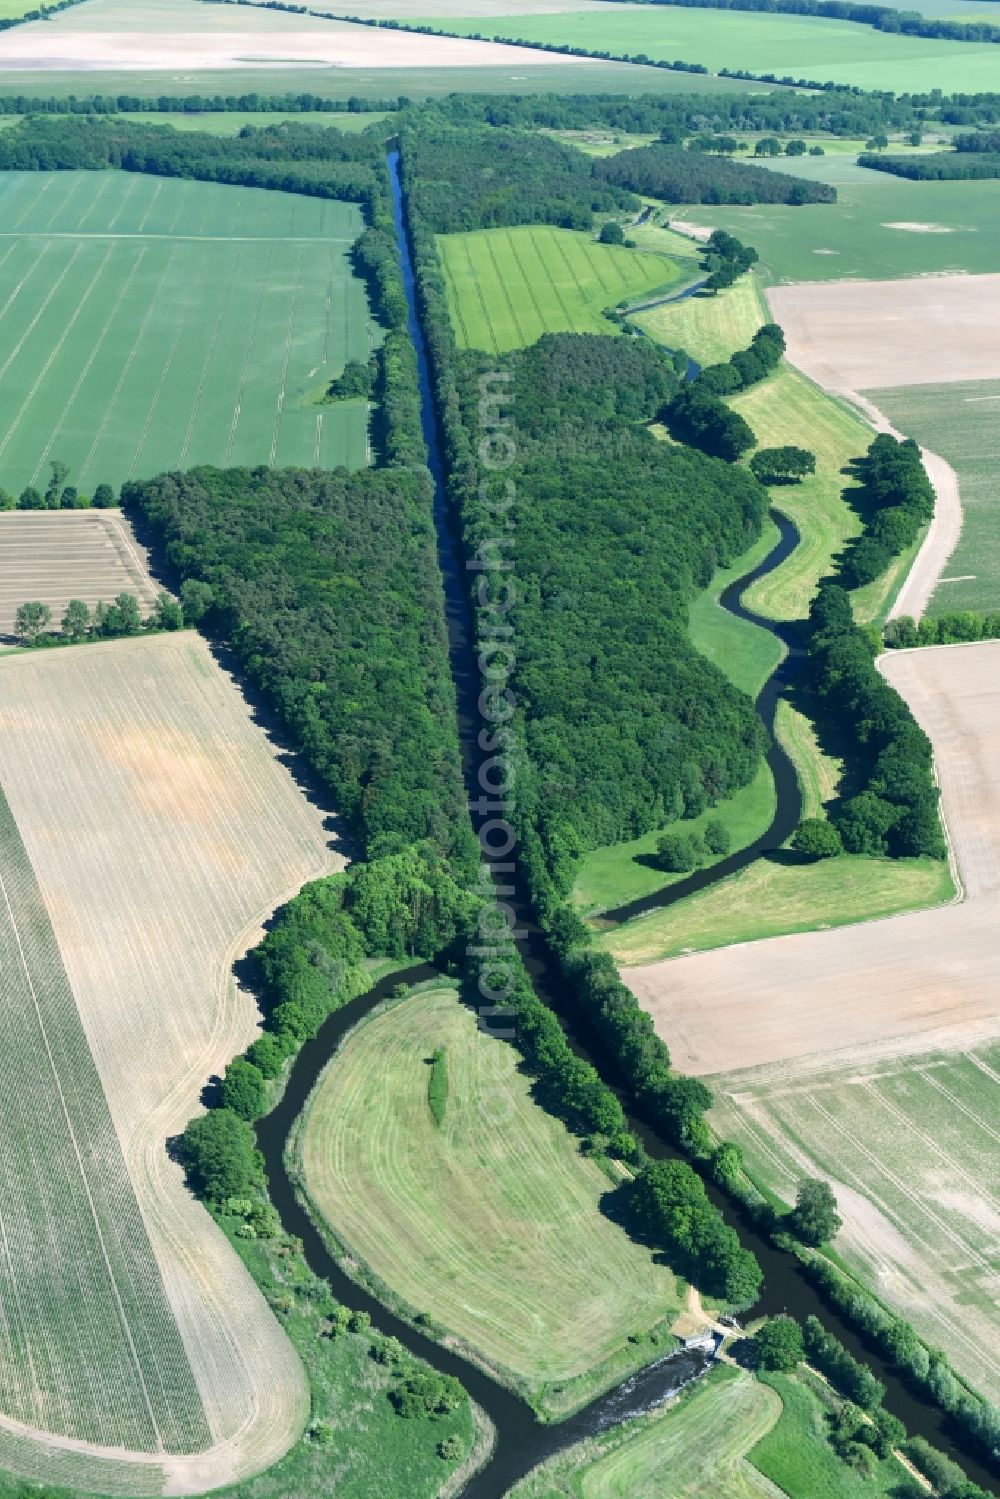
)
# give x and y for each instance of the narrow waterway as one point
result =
(522, 1439)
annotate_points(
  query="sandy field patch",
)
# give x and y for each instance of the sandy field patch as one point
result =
(859, 335)
(931, 975)
(58, 555)
(164, 35)
(162, 830)
(916, 228)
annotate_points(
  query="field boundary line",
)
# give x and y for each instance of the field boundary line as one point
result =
(55, 351)
(126, 1329)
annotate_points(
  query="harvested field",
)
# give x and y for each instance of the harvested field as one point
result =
(149, 323)
(917, 1182)
(516, 1258)
(506, 287)
(177, 34)
(931, 975)
(161, 829)
(860, 335)
(69, 554)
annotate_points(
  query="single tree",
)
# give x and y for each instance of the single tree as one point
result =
(778, 1344)
(219, 1152)
(60, 473)
(7, 501)
(877, 143)
(243, 1089)
(612, 233)
(31, 619)
(123, 617)
(814, 1218)
(678, 852)
(786, 465)
(915, 138)
(70, 498)
(817, 838)
(716, 836)
(30, 499)
(196, 599)
(816, 151)
(795, 148)
(768, 145)
(168, 614)
(104, 497)
(76, 620)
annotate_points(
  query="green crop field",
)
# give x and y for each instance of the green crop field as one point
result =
(856, 237)
(911, 1142)
(90, 1347)
(959, 421)
(490, 1222)
(150, 324)
(701, 1442)
(786, 46)
(506, 287)
(797, 1457)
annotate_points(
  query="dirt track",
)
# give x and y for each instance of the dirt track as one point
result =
(162, 830)
(928, 979)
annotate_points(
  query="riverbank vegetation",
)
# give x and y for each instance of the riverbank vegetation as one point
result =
(517, 1260)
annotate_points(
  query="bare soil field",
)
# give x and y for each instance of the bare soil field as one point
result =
(164, 35)
(927, 979)
(55, 556)
(162, 829)
(859, 335)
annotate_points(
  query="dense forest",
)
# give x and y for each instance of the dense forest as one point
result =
(479, 179)
(679, 176)
(936, 166)
(326, 587)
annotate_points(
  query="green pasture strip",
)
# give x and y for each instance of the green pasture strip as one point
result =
(854, 238)
(785, 46)
(708, 327)
(149, 324)
(961, 422)
(796, 1454)
(778, 895)
(89, 1346)
(700, 1441)
(506, 287)
(517, 1259)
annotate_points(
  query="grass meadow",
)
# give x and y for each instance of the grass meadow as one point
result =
(855, 237)
(517, 1260)
(959, 421)
(506, 287)
(150, 324)
(786, 46)
(909, 1143)
(91, 1348)
(701, 1441)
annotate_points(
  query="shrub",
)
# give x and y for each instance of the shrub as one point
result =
(778, 1344)
(243, 1089)
(219, 1152)
(817, 838)
(716, 836)
(679, 852)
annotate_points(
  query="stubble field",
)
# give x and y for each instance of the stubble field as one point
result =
(515, 1256)
(506, 287)
(149, 324)
(91, 555)
(161, 829)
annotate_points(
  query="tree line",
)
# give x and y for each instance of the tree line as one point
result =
(957, 627)
(936, 166)
(252, 103)
(107, 621)
(699, 415)
(896, 499)
(680, 176)
(881, 17)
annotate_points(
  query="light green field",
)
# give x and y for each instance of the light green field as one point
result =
(797, 1456)
(232, 121)
(959, 421)
(852, 237)
(778, 895)
(910, 1142)
(148, 324)
(90, 1347)
(789, 47)
(818, 771)
(506, 287)
(515, 1257)
(709, 327)
(698, 1446)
